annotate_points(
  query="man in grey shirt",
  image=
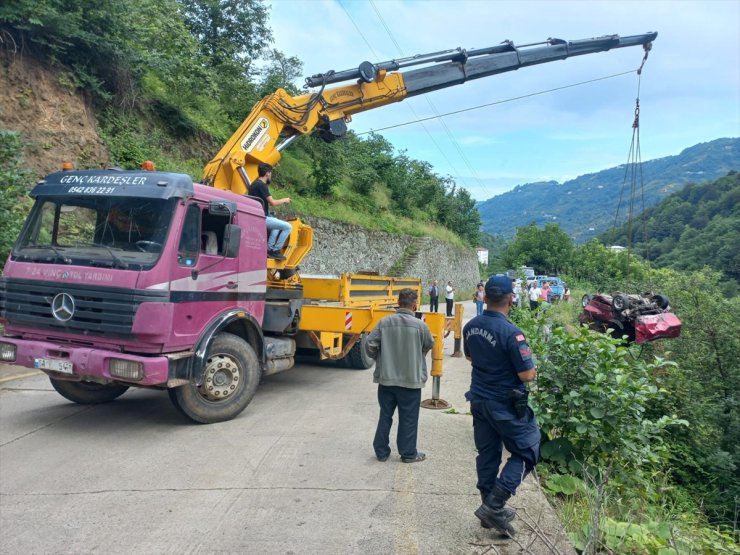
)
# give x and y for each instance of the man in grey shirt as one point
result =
(399, 344)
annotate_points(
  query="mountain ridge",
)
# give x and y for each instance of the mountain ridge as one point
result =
(589, 205)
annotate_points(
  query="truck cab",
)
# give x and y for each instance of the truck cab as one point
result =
(124, 278)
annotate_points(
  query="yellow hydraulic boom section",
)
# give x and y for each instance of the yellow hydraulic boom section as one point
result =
(235, 165)
(358, 289)
(281, 117)
(331, 323)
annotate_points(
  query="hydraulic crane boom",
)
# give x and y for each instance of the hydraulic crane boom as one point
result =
(280, 115)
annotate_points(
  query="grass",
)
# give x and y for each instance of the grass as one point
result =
(642, 518)
(351, 208)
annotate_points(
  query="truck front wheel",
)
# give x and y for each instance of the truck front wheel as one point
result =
(88, 393)
(230, 379)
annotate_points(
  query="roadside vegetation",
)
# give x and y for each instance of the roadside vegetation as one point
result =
(171, 80)
(641, 444)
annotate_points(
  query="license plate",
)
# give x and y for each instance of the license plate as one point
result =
(63, 366)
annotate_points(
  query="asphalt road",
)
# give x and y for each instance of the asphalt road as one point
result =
(294, 474)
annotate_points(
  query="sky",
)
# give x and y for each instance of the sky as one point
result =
(689, 90)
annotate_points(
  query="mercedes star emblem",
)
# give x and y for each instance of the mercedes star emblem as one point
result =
(63, 307)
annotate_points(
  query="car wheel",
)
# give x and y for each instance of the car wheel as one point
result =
(585, 300)
(661, 301)
(620, 302)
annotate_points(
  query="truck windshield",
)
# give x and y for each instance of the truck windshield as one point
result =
(115, 232)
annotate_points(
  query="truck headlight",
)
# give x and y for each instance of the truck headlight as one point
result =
(126, 369)
(7, 352)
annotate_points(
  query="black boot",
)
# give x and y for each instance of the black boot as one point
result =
(509, 514)
(493, 514)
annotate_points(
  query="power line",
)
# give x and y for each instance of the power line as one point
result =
(447, 130)
(377, 57)
(499, 102)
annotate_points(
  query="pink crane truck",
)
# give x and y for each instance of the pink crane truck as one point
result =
(134, 278)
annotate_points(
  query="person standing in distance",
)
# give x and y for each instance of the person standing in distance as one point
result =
(449, 297)
(434, 297)
(502, 364)
(534, 296)
(399, 345)
(479, 299)
(278, 231)
(516, 286)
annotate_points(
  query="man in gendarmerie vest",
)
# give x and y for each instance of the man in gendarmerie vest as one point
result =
(502, 364)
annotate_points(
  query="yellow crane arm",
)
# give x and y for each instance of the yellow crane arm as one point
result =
(281, 117)
(254, 143)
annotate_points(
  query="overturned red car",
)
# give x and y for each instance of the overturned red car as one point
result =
(639, 318)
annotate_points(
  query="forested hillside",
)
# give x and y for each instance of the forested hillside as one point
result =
(171, 80)
(586, 206)
(695, 227)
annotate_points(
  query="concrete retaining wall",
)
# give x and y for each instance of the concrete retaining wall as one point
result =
(340, 247)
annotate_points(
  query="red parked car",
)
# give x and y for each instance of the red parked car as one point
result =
(641, 318)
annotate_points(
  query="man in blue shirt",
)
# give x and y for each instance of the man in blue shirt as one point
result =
(502, 364)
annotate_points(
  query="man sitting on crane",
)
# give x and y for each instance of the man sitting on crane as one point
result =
(278, 231)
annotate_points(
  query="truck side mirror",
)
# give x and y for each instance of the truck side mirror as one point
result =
(232, 238)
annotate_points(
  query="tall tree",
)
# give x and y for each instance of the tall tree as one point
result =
(547, 250)
(281, 72)
(229, 31)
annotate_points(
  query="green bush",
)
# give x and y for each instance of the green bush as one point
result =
(591, 400)
(615, 408)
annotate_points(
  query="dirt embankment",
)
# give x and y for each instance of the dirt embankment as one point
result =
(54, 119)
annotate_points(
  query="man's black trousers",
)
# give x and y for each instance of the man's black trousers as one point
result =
(408, 402)
(449, 306)
(433, 304)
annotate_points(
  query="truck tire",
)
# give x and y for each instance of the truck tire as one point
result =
(230, 379)
(88, 393)
(357, 357)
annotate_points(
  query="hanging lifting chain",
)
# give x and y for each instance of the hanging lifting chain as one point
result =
(647, 47)
(636, 123)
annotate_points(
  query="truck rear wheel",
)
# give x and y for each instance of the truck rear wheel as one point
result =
(88, 393)
(357, 356)
(230, 379)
